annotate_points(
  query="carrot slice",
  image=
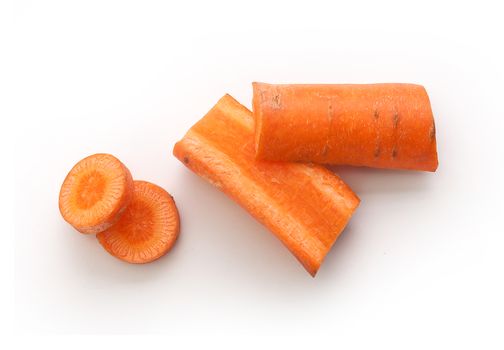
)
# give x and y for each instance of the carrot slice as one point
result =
(305, 206)
(374, 125)
(95, 193)
(147, 230)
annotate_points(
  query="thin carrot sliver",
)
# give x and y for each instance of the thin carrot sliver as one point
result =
(305, 206)
(95, 193)
(147, 230)
(373, 125)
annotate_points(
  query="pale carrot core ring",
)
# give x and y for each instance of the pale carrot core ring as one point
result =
(90, 189)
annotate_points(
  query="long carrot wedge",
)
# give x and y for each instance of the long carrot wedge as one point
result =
(305, 206)
(95, 193)
(375, 125)
(147, 230)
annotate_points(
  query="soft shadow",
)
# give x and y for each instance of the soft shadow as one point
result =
(338, 258)
(228, 243)
(372, 181)
(87, 256)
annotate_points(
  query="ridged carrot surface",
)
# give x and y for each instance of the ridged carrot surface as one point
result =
(374, 125)
(95, 193)
(147, 230)
(305, 206)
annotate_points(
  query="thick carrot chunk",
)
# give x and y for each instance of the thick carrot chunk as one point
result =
(373, 125)
(305, 206)
(147, 230)
(95, 193)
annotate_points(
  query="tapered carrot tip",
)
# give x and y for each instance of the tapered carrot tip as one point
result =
(147, 230)
(95, 193)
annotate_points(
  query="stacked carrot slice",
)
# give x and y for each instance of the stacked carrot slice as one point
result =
(135, 221)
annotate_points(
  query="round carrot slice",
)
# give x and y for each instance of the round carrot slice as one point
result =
(95, 193)
(147, 230)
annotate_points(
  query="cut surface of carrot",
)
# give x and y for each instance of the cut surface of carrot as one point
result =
(95, 193)
(305, 206)
(373, 125)
(147, 230)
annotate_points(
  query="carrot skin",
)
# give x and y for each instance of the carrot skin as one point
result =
(305, 206)
(374, 125)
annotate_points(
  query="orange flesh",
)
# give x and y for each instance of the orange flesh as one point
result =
(147, 230)
(305, 206)
(90, 189)
(95, 193)
(374, 125)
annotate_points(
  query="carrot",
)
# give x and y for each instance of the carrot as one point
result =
(305, 206)
(95, 193)
(147, 230)
(375, 125)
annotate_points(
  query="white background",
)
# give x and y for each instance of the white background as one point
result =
(421, 263)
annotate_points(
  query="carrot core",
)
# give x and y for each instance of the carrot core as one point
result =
(90, 189)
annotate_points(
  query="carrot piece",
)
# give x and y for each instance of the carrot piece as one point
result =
(147, 230)
(95, 193)
(374, 125)
(305, 206)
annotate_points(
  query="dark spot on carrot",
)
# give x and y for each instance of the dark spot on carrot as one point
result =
(186, 160)
(330, 115)
(432, 133)
(394, 152)
(395, 120)
(324, 151)
(276, 101)
(376, 114)
(377, 151)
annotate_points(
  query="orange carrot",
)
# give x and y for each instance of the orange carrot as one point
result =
(147, 230)
(95, 193)
(375, 125)
(305, 206)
